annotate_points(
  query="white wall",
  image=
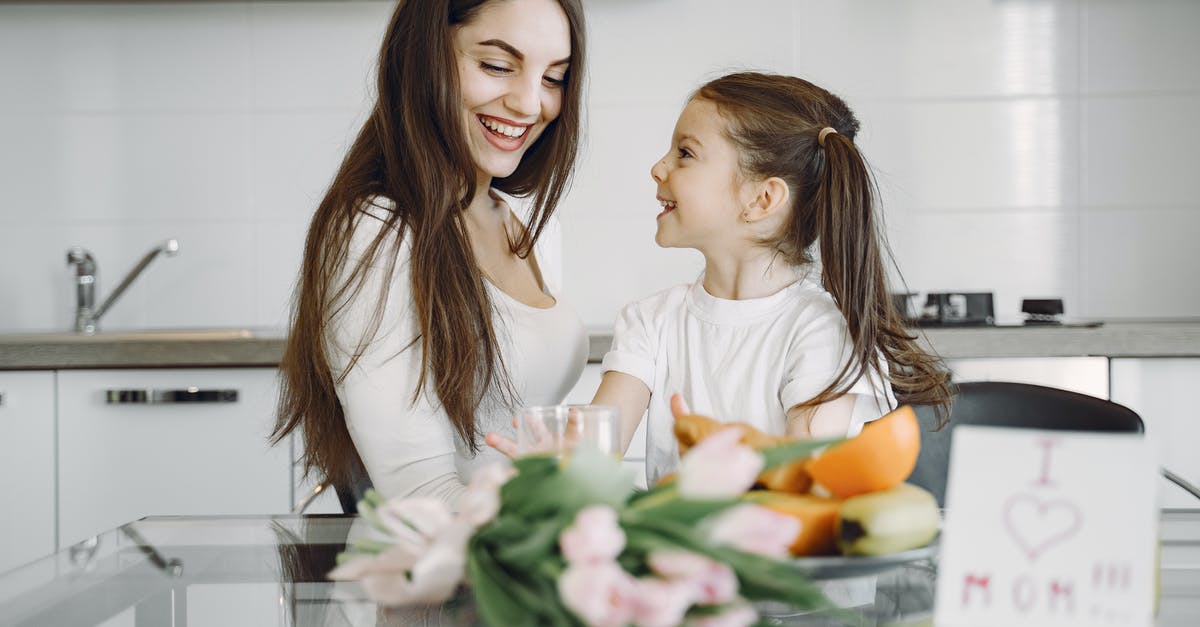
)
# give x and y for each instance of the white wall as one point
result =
(1028, 147)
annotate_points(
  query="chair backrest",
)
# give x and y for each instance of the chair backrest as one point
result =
(349, 496)
(1005, 404)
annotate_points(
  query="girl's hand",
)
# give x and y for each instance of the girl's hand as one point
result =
(679, 406)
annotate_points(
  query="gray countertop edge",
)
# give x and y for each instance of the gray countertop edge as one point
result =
(1115, 339)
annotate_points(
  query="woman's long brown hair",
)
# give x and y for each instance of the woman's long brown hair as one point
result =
(413, 151)
(775, 121)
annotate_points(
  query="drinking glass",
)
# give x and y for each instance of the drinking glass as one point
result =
(558, 429)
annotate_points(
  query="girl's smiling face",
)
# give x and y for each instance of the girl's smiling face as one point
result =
(513, 59)
(700, 186)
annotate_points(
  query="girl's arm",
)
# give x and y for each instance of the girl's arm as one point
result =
(629, 395)
(827, 420)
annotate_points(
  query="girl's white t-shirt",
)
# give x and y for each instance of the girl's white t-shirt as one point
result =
(736, 360)
(410, 448)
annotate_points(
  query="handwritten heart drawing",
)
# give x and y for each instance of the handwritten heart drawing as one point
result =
(1037, 525)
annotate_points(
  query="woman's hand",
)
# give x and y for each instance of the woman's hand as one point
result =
(502, 443)
(537, 437)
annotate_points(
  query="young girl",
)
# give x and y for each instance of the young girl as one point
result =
(791, 327)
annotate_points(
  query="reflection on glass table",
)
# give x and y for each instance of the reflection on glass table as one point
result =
(265, 571)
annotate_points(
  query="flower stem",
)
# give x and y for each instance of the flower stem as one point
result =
(667, 495)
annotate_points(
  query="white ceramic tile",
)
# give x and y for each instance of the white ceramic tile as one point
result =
(295, 157)
(982, 154)
(141, 57)
(279, 250)
(661, 51)
(1131, 47)
(36, 292)
(1140, 262)
(613, 174)
(938, 48)
(1141, 150)
(316, 54)
(210, 284)
(609, 261)
(31, 175)
(1013, 254)
(114, 167)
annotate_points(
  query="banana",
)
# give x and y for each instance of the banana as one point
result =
(901, 518)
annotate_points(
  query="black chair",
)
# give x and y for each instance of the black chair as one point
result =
(348, 496)
(1004, 404)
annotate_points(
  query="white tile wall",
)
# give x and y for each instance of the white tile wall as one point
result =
(934, 151)
(315, 55)
(1141, 150)
(938, 49)
(1163, 275)
(1137, 47)
(657, 51)
(135, 57)
(1046, 146)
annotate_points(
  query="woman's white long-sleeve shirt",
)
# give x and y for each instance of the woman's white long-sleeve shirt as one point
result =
(409, 447)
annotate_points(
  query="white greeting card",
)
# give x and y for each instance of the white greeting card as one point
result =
(1048, 528)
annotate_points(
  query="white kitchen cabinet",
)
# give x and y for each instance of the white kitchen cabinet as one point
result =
(26, 467)
(119, 461)
(1163, 392)
(1086, 375)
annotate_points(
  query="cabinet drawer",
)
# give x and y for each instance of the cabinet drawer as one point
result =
(135, 443)
(26, 467)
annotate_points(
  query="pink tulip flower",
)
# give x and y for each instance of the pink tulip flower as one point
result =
(755, 529)
(406, 574)
(601, 594)
(741, 615)
(711, 581)
(480, 503)
(662, 603)
(719, 467)
(595, 536)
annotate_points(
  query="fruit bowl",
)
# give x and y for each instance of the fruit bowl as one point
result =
(846, 566)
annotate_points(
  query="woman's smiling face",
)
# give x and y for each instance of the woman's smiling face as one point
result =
(513, 59)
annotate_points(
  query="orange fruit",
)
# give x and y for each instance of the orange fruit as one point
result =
(818, 519)
(789, 477)
(879, 458)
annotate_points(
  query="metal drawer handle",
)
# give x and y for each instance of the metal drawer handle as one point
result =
(167, 397)
(1, 399)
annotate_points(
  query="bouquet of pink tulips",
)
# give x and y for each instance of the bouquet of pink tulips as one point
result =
(571, 542)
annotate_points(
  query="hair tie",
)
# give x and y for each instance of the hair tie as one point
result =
(825, 131)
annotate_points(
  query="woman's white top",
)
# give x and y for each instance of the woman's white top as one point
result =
(410, 448)
(736, 360)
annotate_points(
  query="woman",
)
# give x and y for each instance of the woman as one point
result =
(426, 311)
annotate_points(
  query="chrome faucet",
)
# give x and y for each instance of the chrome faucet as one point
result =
(86, 318)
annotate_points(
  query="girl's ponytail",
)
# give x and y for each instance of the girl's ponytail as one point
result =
(789, 128)
(852, 270)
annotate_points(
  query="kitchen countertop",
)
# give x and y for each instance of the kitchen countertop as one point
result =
(263, 348)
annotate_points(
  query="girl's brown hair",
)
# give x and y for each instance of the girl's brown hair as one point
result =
(413, 151)
(776, 121)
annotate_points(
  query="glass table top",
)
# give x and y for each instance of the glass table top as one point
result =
(269, 570)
